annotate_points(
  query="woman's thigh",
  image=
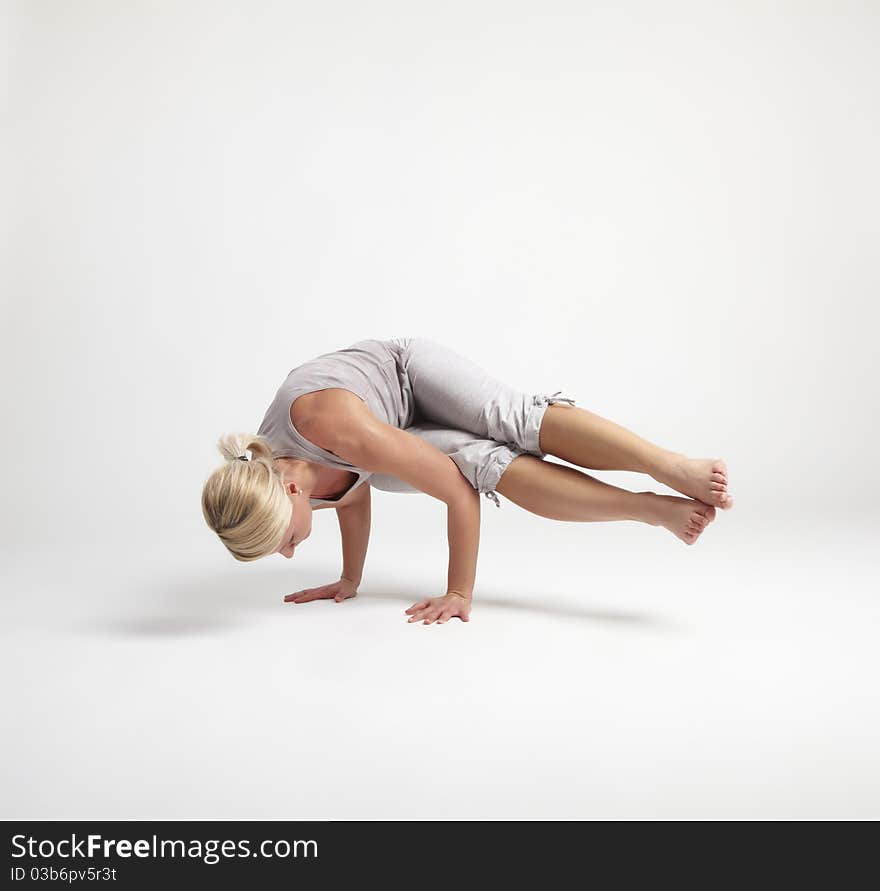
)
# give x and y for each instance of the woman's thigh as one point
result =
(452, 391)
(481, 461)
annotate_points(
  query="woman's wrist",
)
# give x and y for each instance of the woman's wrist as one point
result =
(465, 595)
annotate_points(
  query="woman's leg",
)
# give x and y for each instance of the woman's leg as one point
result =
(589, 440)
(453, 391)
(562, 493)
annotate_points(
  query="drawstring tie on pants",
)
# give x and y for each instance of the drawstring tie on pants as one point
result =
(550, 400)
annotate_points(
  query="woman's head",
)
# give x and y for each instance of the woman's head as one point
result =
(250, 504)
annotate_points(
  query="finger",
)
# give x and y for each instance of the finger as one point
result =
(289, 597)
(315, 594)
(305, 598)
(449, 613)
(422, 604)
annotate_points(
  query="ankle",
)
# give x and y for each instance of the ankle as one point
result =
(667, 464)
(647, 508)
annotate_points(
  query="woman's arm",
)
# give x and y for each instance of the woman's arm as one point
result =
(354, 526)
(353, 433)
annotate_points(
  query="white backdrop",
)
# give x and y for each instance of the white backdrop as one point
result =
(667, 211)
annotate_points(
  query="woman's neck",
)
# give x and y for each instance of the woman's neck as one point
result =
(305, 474)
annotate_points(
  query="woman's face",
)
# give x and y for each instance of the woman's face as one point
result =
(300, 526)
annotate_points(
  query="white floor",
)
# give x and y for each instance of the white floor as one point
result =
(608, 671)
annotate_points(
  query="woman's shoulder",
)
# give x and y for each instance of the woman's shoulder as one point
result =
(325, 407)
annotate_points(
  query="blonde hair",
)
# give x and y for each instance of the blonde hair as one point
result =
(245, 502)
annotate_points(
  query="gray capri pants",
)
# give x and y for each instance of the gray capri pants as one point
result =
(475, 419)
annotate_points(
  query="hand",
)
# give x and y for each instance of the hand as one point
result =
(338, 591)
(441, 609)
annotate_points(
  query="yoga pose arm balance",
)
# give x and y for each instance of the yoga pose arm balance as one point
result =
(411, 415)
(345, 427)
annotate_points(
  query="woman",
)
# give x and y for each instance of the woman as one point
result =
(411, 415)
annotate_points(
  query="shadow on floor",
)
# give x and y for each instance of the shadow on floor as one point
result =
(199, 604)
(544, 605)
(208, 604)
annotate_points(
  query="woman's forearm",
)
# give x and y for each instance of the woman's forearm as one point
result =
(354, 526)
(463, 534)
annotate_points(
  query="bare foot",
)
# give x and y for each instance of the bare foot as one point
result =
(702, 478)
(685, 518)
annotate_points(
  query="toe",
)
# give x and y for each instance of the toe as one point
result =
(719, 478)
(718, 466)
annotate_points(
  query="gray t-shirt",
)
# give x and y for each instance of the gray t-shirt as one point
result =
(371, 369)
